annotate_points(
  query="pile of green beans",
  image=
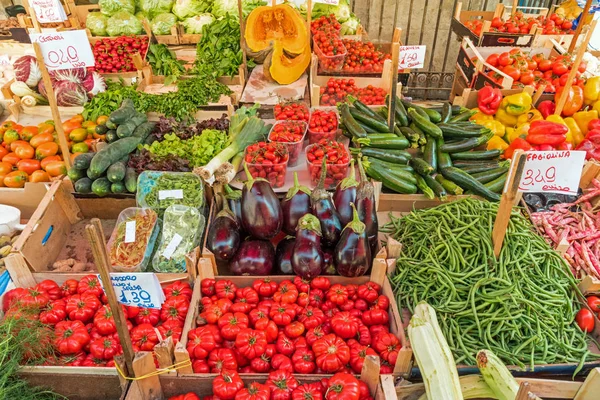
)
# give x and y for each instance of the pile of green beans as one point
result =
(521, 306)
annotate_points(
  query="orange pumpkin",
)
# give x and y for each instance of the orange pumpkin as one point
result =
(40, 139)
(25, 152)
(45, 150)
(17, 143)
(5, 167)
(45, 127)
(28, 166)
(11, 158)
(28, 132)
(56, 168)
(15, 179)
(39, 176)
(48, 160)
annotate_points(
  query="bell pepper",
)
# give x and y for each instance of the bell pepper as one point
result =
(594, 124)
(583, 118)
(591, 145)
(574, 100)
(576, 135)
(513, 133)
(546, 107)
(479, 117)
(547, 132)
(596, 106)
(529, 116)
(559, 120)
(495, 126)
(505, 118)
(488, 100)
(564, 146)
(517, 144)
(516, 104)
(496, 143)
(591, 91)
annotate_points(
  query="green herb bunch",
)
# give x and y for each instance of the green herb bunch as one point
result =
(164, 63)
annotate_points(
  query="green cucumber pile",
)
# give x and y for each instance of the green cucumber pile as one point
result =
(446, 163)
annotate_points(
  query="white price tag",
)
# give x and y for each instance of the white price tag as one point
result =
(552, 171)
(129, 231)
(65, 49)
(48, 11)
(170, 194)
(411, 57)
(4, 60)
(140, 289)
(172, 246)
(330, 2)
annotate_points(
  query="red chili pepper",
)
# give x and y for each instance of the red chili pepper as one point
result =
(488, 100)
(546, 107)
(547, 128)
(544, 138)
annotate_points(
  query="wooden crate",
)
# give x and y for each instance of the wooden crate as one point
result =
(17, 36)
(187, 38)
(26, 199)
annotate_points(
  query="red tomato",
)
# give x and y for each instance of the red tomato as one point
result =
(594, 303)
(585, 320)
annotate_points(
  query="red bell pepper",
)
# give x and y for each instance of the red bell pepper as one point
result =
(543, 138)
(547, 128)
(546, 107)
(488, 100)
(565, 146)
(594, 124)
(517, 144)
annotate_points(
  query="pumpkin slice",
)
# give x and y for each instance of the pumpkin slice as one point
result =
(281, 24)
(282, 68)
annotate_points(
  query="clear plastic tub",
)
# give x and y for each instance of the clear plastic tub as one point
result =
(159, 190)
(281, 116)
(181, 232)
(294, 148)
(333, 175)
(330, 63)
(132, 241)
(274, 173)
(314, 135)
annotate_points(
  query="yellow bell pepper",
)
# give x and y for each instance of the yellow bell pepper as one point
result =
(480, 117)
(576, 134)
(529, 117)
(496, 127)
(583, 118)
(516, 104)
(591, 91)
(559, 120)
(596, 106)
(496, 143)
(513, 133)
(505, 118)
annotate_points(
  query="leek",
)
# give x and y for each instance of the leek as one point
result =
(497, 376)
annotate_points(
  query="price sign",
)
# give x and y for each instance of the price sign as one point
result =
(552, 171)
(330, 2)
(65, 50)
(48, 11)
(411, 57)
(139, 289)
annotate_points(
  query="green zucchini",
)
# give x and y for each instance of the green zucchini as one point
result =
(369, 121)
(401, 173)
(476, 155)
(410, 134)
(83, 185)
(422, 113)
(450, 186)
(430, 153)
(367, 128)
(83, 161)
(350, 123)
(434, 116)
(446, 112)
(444, 160)
(116, 172)
(466, 181)
(466, 144)
(390, 181)
(437, 188)
(381, 135)
(363, 108)
(130, 180)
(490, 174)
(393, 156)
(497, 185)
(463, 116)
(391, 165)
(421, 166)
(424, 188)
(452, 131)
(394, 143)
(473, 169)
(401, 114)
(101, 187)
(426, 126)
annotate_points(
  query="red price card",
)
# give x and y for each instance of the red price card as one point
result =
(552, 171)
(65, 50)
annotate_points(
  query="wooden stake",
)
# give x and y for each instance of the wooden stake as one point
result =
(514, 7)
(507, 201)
(96, 237)
(584, 14)
(523, 393)
(580, 52)
(309, 16)
(31, 13)
(394, 85)
(242, 41)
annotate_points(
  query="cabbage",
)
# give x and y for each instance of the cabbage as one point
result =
(349, 27)
(161, 25)
(188, 8)
(94, 84)
(111, 7)
(123, 23)
(341, 11)
(70, 94)
(96, 23)
(154, 7)
(141, 16)
(249, 5)
(195, 24)
(27, 70)
(223, 7)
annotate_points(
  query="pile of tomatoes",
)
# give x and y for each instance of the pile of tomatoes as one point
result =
(298, 326)
(363, 57)
(293, 110)
(323, 125)
(337, 162)
(338, 89)
(536, 70)
(115, 55)
(519, 23)
(326, 24)
(330, 50)
(268, 160)
(291, 134)
(283, 385)
(82, 325)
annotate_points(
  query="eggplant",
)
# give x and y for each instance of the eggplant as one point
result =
(294, 205)
(324, 209)
(345, 193)
(352, 255)
(328, 264)
(223, 237)
(307, 257)
(283, 256)
(262, 217)
(367, 207)
(254, 257)
(234, 200)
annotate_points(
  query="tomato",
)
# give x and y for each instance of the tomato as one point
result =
(91, 361)
(200, 342)
(69, 126)
(255, 391)
(512, 72)
(493, 60)
(251, 343)
(144, 337)
(337, 294)
(105, 348)
(282, 314)
(222, 359)
(178, 288)
(527, 78)
(46, 149)
(368, 291)
(5, 167)
(246, 300)
(265, 287)
(303, 361)
(82, 307)
(545, 65)
(343, 386)
(225, 289)
(101, 120)
(200, 367)
(90, 283)
(11, 297)
(269, 328)
(44, 163)
(187, 396)
(594, 303)
(585, 320)
(149, 316)
(332, 353)
(104, 321)
(311, 317)
(11, 136)
(388, 346)
(38, 176)
(294, 330)
(230, 324)
(175, 308)
(282, 383)
(29, 166)
(358, 354)
(80, 148)
(45, 128)
(213, 312)
(70, 337)
(15, 179)
(54, 312)
(3, 151)
(42, 138)
(559, 68)
(226, 385)
(56, 168)
(345, 325)
(505, 59)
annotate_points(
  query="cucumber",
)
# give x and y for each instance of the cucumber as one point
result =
(83, 161)
(450, 186)
(434, 116)
(476, 155)
(76, 174)
(437, 188)
(123, 113)
(426, 126)
(139, 118)
(421, 166)
(111, 154)
(466, 144)
(111, 125)
(393, 156)
(130, 180)
(424, 188)
(430, 153)
(490, 174)
(466, 181)
(369, 121)
(101, 187)
(83, 185)
(350, 123)
(126, 129)
(118, 187)
(101, 129)
(144, 130)
(497, 185)
(111, 136)
(116, 172)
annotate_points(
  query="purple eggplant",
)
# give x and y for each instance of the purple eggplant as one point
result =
(294, 205)
(307, 257)
(234, 199)
(352, 254)
(254, 257)
(345, 193)
(223, 237)
(261, 212)
(328, 265)
(283, 256)
(367, 208)
(324, 209)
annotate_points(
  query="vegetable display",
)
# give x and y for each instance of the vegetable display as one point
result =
(159, 190)
(130, 251)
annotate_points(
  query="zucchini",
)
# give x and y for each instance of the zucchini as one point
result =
(101, 187)
(144, 130)
(401, 173)
(398, 132)
(393, 143)
(466, 181)
(76, 174)
(111, 154)
(369, 121)
(430, 153)
(450, 186)
(390, 165)
(466, 144)
(410, 134)
(446, 112)
(424, 188)
(363, 108)
(453, 131)
(437, 188)
(390, 181)
(126, 129)
(497, 185)
(421, 166)
(463, 116)
(422, 113)
(116, 172)
(473, 169)
(83, 161)
(401, 114)
(123, 113)
(367, 129)
(83, 185)
(426, 126)
(350, 123)
(434, 116)
(393, 156)
(118, 187)
(130, 180)
(373, 136)
(443, 158)
(489, 175)
(497, 376)
(476, 155)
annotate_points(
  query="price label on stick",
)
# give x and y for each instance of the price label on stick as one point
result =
(411, 57)
(48, 11)
(65, 50)
(552, 171)
(139, 289)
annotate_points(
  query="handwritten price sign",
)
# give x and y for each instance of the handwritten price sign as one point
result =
(411, 57)
(552, 171)
(137, 289)
(65, 50)
(48, 11)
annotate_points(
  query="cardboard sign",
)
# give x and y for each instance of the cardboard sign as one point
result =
(552, 171)
(329, 2)
(412, 57)
(139, 289)
(65, 50)
(48, 11)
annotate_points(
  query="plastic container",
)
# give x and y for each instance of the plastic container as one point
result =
(132, 241)
(330, 63)
(294, 148)
(314, 136)
(274, 173)
(333, 175)
(181, 232)
(159, 190)
(294, 104)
